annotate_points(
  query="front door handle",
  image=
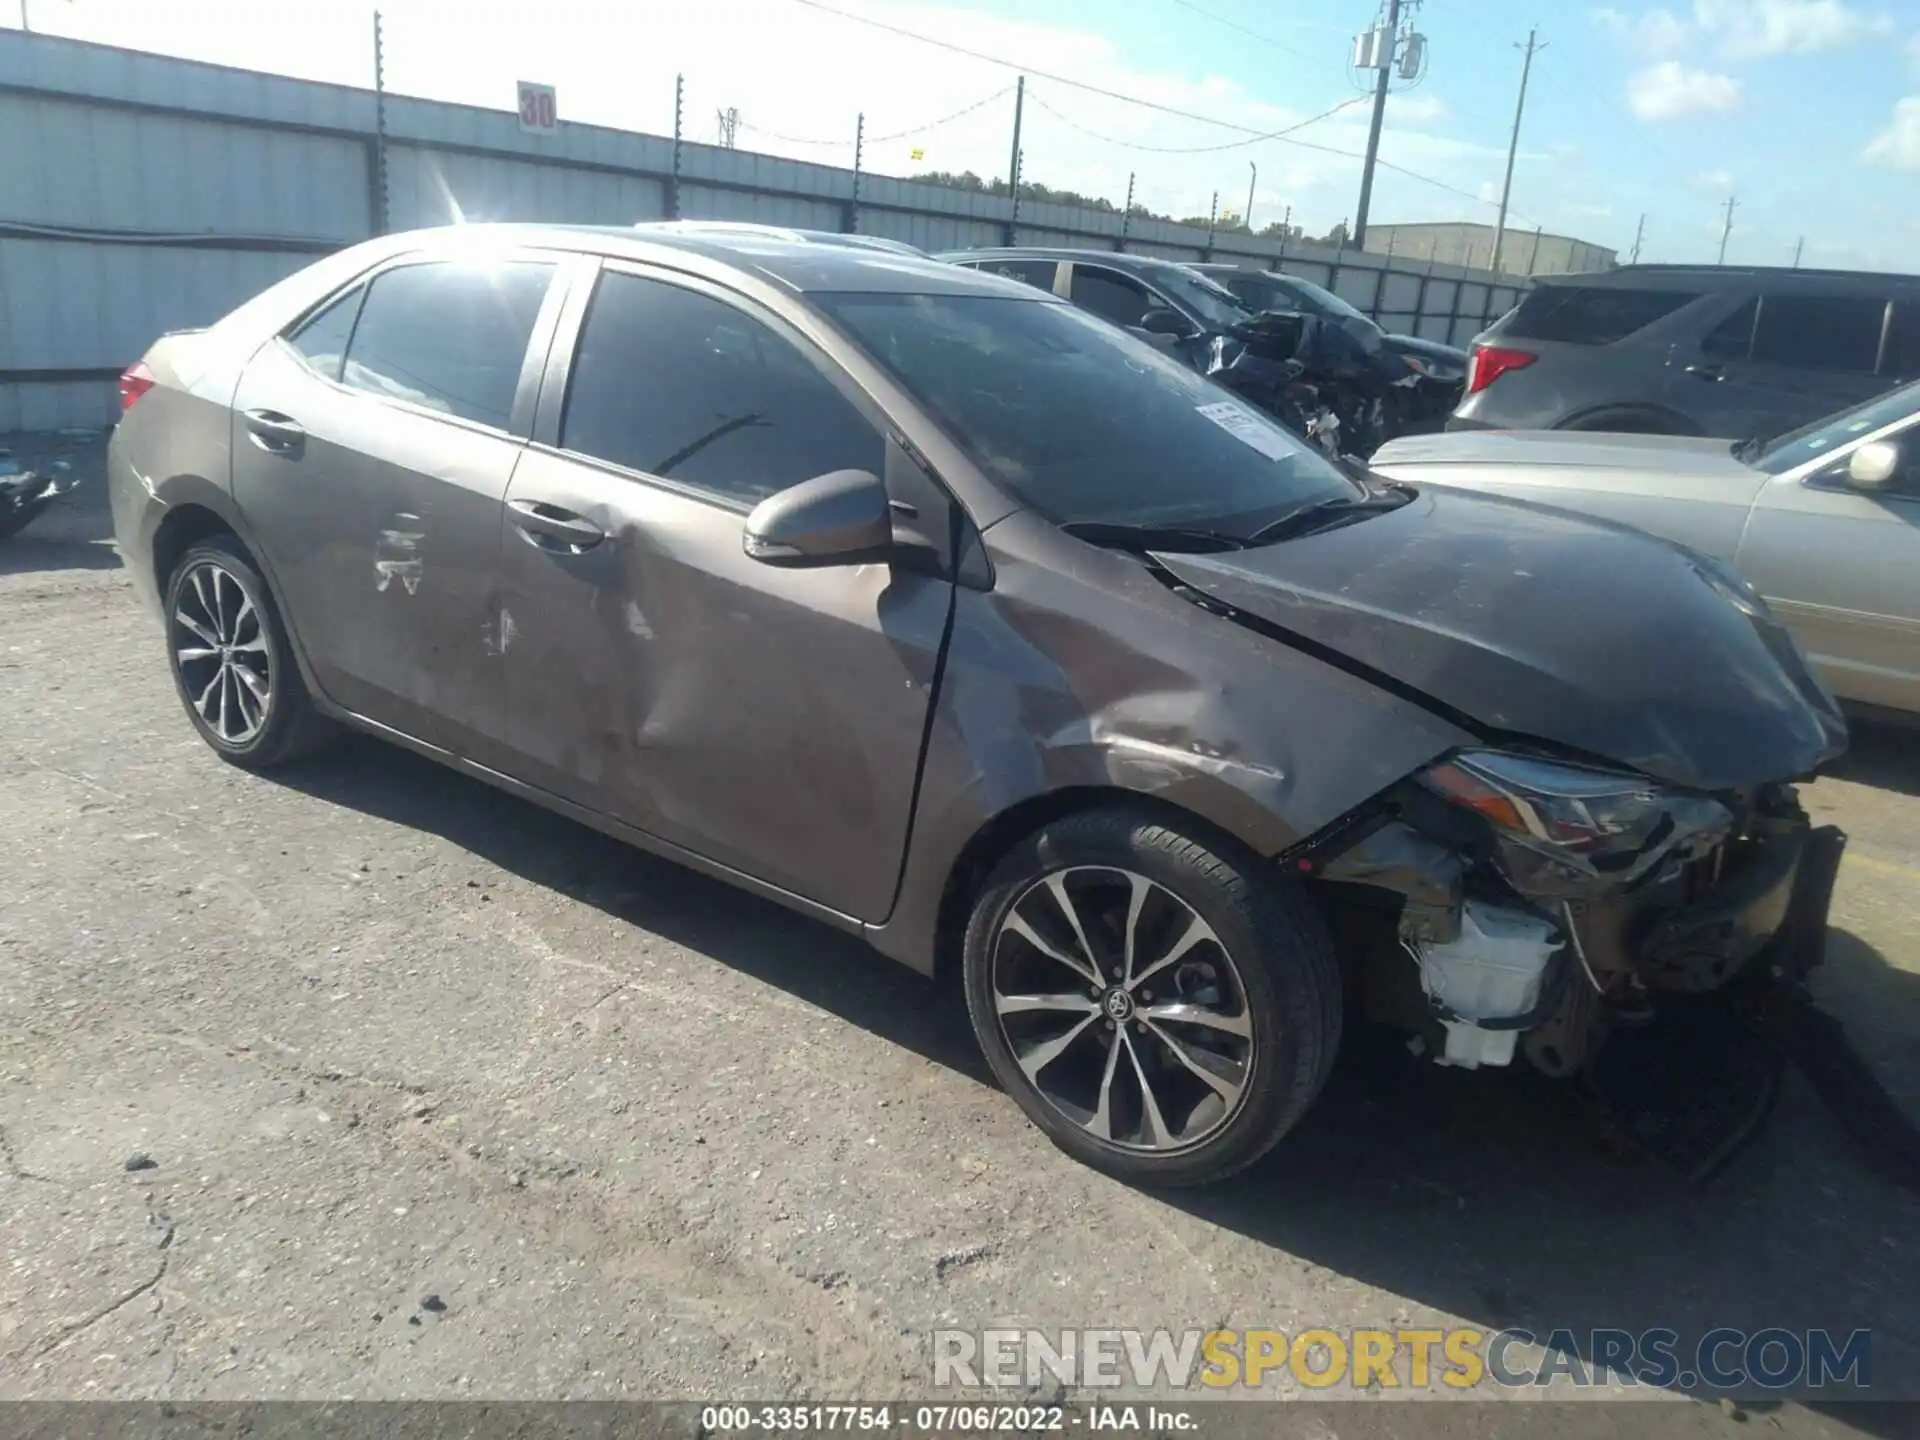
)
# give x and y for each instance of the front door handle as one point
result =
(550, 527)
(272, 431)
(1706, 372)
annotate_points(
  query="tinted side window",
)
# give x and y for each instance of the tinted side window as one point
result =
(1820, 332)
(1033, 272)
(681, 385)
(1902, 359)
(450, 337)
(1110, 296)
(322, 341)
(1732, 338)
(1598, 315)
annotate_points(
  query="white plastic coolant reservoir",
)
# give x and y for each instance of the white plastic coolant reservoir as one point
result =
(1494, 971)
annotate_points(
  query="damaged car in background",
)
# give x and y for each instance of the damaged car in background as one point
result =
(937, 609)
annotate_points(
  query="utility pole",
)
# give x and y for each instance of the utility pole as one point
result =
(1798, 246)
(1638, 231)
(381, 218)
(859, 144)
(1725, 231)
(1213, 218)
(1013, 162)
(1126, 213)
(673, 182)
(1513, 145)
(1253, 182)
(1286, 230)
(1373, 129)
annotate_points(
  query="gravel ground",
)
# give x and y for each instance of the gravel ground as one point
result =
(441, 1097)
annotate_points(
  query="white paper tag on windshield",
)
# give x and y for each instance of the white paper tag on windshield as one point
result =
(1249, 430)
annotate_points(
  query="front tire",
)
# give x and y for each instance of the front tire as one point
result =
(1164, 1010)
(232, 665)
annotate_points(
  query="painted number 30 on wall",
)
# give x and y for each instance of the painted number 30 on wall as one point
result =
(539, 111)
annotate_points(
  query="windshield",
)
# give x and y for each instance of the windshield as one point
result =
(1215, 304)
(1810, 442)
(1328, 301)
(1081, 421)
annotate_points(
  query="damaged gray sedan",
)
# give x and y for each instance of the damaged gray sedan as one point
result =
(938, 610)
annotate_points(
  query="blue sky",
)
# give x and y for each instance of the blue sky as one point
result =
(1807, 110)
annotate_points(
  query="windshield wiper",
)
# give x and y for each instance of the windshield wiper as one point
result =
(1335, 510)
(1121, 536)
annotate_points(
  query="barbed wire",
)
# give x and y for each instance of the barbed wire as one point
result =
(965, 110)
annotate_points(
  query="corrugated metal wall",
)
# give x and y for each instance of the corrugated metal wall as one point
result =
(140, 193)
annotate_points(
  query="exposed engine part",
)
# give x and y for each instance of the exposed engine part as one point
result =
(1486, 984)
(1424, 872)
(1572, 1033)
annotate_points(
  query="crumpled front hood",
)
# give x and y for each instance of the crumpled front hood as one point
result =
(1538, 624)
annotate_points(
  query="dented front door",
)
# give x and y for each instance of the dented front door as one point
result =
(769, 720)
(375, 483)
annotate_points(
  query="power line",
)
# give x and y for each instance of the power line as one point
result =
(878, 139)
(1250, 34)
(1028, 69)
(1132, 99)
(1280, 134)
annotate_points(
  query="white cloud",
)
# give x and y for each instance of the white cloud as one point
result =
(1898, 146)
(1745, 29)
(1714, 180)
(1669, 89)
(1652, 32)
(1749, 30)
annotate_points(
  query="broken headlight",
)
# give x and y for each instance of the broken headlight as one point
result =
(1563, 830)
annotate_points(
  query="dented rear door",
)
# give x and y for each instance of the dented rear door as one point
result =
(371, 452)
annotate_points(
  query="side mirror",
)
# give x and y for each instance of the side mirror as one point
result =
(1873, 465)
(840, 518)
(1162, 321)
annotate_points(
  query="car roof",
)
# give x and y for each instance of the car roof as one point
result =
(795, 264)
(782, 232)
(1727, 277)
(1116, 259)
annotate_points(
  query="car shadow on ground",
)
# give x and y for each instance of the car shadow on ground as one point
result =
(1883, 753)
(1493, 1196)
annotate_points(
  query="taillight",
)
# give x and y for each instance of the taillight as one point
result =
(1489, 362)
(135, 381)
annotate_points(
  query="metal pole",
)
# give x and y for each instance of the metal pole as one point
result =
(1373, 130)
(1126, 214)
(1013, 161)
(1286, 230)
(1798, 246)
(1252, 182)
(1513, 148)
(673, 182)
(1213, 218)
(859, 140)
(382, 204)
(1638, 231)
(1725, 231)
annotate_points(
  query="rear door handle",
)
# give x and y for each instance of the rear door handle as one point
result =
(551, 527)
(1706, 372)
(271, 430)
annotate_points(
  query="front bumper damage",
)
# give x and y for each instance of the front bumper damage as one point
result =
(1486, 954)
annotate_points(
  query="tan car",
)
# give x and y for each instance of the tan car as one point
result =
(1823, 521)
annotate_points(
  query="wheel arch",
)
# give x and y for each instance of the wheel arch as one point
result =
(199, 510)
(999, 833)
(1664, 421)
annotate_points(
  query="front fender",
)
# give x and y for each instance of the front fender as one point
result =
(1083, 672)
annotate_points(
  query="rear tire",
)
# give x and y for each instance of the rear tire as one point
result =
(232, 665)
(1163, 1009)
